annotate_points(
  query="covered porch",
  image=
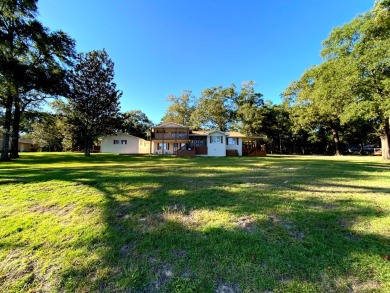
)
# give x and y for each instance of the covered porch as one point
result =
(253, 146)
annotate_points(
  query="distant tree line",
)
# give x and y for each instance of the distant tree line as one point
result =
(246, 111)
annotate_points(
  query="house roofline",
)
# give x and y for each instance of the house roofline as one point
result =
(163, 125)
(121, 133)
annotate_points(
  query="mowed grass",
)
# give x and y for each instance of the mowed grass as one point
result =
(163, 224)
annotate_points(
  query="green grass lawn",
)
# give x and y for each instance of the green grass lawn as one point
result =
(164, 224)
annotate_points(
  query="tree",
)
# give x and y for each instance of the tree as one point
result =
(135, 123)
(215, 108)
(70, 137)
(31, 59)
(46, 133)
(94, 99)
(321, 96)
(180, 109)
(249, 112)
(365, 43)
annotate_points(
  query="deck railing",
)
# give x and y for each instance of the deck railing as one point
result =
(170, 136)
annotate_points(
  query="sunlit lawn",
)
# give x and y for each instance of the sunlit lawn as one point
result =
(164, 224)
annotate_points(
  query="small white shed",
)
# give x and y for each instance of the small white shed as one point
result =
(123, 143)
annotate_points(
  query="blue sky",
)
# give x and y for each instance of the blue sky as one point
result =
(162, 47)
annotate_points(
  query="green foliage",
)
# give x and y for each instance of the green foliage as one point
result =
(352, 83)
(32, 59)
(94, 99)
(365, 44)
(215, 108)
(250, 111)
(47, 133)
(136, 123)
(180, 108)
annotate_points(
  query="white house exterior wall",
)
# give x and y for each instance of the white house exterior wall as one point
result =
(216, 149)
(143, 146)
(237, 147)
(134, 145)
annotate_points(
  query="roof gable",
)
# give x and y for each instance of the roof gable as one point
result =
(121, 133)
(216, 131)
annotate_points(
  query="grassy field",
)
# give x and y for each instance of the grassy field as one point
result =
(164, 224)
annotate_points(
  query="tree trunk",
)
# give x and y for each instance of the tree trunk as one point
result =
(87, 151)
(15, 130)
(7, 127)
(336, 139)
(385, 141)
(280, 143)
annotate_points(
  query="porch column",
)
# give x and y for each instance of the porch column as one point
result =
(256, 147)
(163, 148)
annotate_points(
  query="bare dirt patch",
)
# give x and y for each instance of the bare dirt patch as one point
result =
(346, 223)
(227, 288)
(352, 237)
(123, 211)
(164, 274)
(246, 223)
(369, 286)
(151, 222)
(287, 225)
(178, 253)
(323, 206)
(127, 249)
(52, 208)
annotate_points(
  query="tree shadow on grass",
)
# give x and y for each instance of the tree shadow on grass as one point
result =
(167, 243)
(203, 225)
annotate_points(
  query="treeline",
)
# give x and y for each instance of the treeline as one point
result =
(350, 89)
(246, 111)
(344, 101)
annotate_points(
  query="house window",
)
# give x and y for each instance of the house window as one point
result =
(232, 140)
(116, 141)
(216, 139)
(163, 146)
(200, 142)
(123, 141)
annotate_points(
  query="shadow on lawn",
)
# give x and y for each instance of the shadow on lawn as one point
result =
(272, 240)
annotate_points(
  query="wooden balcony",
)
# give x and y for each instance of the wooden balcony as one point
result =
(170, 136)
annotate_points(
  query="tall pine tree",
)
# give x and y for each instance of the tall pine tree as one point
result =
(94, 99)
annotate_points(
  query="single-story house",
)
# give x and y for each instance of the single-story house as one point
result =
(24, 144)
(176, 139)
(123, 143)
